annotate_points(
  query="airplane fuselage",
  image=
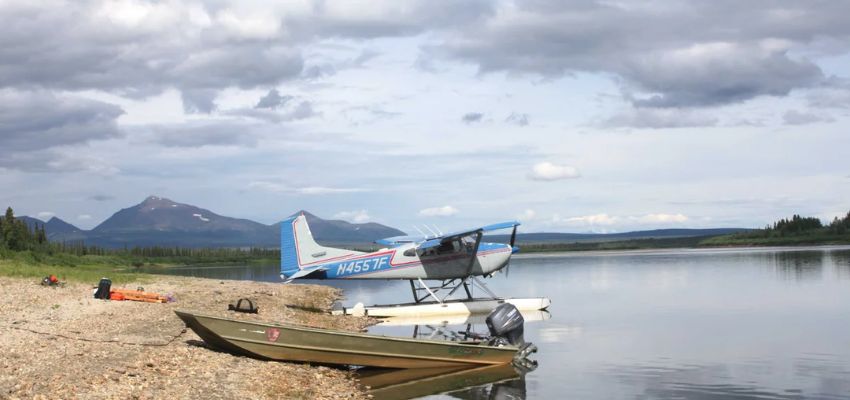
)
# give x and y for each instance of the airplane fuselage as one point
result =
(404, 262)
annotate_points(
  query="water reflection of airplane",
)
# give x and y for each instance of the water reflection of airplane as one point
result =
(493, 382)
(456, 259)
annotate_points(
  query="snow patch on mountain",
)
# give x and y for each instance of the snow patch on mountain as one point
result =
(201, 217)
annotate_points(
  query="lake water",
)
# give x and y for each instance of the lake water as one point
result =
(693, 324)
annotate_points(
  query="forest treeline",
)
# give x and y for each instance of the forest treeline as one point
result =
(796, 230)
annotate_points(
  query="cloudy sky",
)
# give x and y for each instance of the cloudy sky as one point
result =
(570, 116)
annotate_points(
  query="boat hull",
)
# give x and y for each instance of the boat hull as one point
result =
(321, 346)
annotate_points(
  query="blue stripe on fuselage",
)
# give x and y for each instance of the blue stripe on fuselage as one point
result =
(491, 246)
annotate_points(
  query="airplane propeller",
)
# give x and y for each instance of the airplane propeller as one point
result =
(513, 241)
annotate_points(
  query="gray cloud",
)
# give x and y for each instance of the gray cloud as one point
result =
(518, 119)
(272, 100)
(369, 114)
(830, 97)
(39, 120)
(658, 118)
(721, 75)
(665, 54)
(794, 117)
(303, 110)
(472, 117)
(101, 197)
(199, 101)
(197, 48)
(385, 18)
(721, 52)
(365, 56)
(55, 161)
(208, 133)
(316, 70)
(80, 45)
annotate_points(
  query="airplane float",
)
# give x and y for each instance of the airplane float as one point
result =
(458, 260)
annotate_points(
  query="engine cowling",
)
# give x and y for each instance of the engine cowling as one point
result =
(506, 326)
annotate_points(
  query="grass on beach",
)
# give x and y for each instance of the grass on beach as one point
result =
(89, 269)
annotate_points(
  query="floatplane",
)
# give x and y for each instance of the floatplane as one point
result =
(458, 260)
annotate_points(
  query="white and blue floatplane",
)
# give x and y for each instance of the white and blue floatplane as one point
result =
(457, 260)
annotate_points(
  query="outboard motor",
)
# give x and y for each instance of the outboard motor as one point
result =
(506, 326)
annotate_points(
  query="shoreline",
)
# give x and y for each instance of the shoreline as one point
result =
(60, 342)
(672, 250)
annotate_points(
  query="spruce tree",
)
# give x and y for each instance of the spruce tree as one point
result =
(21, 237)
(9, 226)
(8, 222)
(40, 234)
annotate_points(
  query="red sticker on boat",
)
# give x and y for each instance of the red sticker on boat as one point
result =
(272, 334)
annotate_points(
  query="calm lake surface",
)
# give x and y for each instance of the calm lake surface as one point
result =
(693, 324)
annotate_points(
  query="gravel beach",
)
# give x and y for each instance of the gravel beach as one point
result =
(62, 343)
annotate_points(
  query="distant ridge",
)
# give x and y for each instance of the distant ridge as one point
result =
(56, 226)
(555, 237)
(158, 221)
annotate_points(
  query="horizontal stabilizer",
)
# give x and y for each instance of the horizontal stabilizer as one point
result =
(397, 240)
(318, 273)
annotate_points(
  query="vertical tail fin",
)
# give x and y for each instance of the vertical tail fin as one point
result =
(298, 249)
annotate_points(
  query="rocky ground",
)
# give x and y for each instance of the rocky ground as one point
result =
(62, 343)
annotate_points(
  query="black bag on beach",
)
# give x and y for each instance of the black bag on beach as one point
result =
(103, 289)
(244, 305)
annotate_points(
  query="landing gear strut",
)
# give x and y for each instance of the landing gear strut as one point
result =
(452, 285)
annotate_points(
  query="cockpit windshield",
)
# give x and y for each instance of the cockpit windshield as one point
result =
(464, 244)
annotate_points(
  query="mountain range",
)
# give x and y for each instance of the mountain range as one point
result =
(158, 221)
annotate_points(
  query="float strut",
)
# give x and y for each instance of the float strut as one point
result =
(483, 286)
(429, 290)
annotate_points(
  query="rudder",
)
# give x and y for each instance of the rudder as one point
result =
(298, 249)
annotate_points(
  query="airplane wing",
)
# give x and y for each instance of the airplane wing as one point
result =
(492, 227)
(436, 240)
(500, 225)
